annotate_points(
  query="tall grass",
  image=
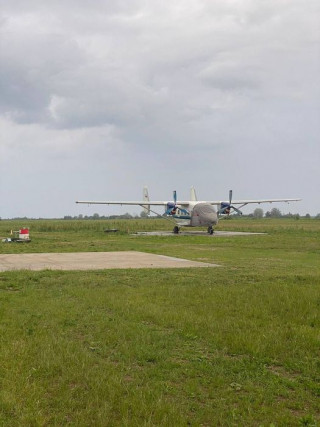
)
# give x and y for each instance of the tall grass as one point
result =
(39, 225)
(153, 224)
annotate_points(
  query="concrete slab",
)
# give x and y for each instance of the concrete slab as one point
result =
(196, 233)
(93, 261)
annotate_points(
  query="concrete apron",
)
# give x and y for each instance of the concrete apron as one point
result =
(93, 261)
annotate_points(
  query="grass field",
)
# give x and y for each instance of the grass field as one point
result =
(236, 345)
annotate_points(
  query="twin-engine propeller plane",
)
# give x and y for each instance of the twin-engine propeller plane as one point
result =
(191, 213)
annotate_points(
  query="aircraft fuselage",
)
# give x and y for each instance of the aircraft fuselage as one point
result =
(197, 215)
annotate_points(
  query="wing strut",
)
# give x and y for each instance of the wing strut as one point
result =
(160, 216)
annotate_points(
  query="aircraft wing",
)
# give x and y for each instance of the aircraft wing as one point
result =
(182, 203)
(258, 201)
(123, 202)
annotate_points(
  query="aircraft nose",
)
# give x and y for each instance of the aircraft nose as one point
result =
(209, 215)
(204, 214)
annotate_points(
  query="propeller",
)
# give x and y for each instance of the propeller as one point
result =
(230, 196)
(171, 206)
(175, 197)
(225, 208)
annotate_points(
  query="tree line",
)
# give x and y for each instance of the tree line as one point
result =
(276, 213)
(257, 213)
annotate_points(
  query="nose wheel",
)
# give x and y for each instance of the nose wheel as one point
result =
(176, 229)
(210, 230)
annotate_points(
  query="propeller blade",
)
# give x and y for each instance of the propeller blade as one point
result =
(230, 196)
(175, 197)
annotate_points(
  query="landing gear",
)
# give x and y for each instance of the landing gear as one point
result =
(210, 230)
(176, 229)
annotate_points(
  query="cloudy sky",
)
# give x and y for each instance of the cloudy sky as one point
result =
(99, 98)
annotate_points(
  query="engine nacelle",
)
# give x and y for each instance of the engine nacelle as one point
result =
(225, 208)
(170, 208)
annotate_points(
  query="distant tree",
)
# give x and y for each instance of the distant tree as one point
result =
(308, 216)
(143, 214)
(275, 213)
(95, 216)
(126, 216)
(317, 216)
(258, 213)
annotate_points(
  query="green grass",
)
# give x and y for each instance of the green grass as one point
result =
(232, 346)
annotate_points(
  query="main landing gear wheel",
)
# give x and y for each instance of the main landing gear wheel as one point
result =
(210, 230)
(176, 229)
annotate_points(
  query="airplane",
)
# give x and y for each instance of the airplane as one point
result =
(191, 213)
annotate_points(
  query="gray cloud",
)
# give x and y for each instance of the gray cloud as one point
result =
(130, 87)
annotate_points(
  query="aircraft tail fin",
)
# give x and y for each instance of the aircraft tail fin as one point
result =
(193, 195)
(145, 196)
